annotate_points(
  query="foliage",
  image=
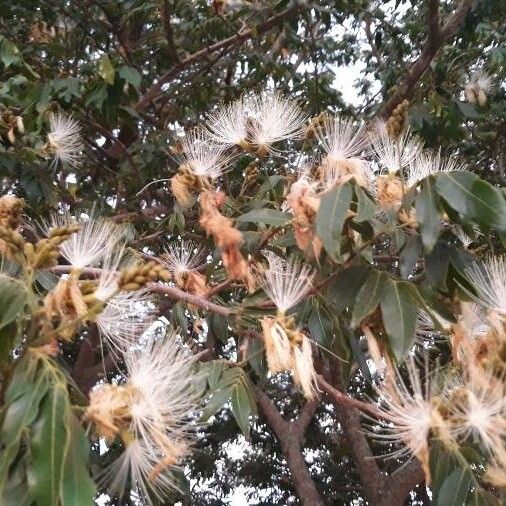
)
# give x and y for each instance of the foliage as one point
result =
(137, 77)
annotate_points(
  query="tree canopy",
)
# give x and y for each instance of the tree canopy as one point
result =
(222, 278)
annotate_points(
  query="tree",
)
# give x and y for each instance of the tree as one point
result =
(208, 252)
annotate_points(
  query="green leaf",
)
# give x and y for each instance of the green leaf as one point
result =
(16, 490)
(366, 207)
(213, 370)
(320, 326)
(9, 53)
(265, 216)
(13, 297)
(49, 446)
(437, 264)
(130, 75)
(453, 479)
(474, 199)
(241, 408)
(409, 255)
(270, 183)
(218, 399)
(77, 486)
(427, 213)
(331, 217)
(219, 327)
(454, 489)
(343, 291)
(368, 296)
(106, 70)
(26, 389)
(469, 110)
(399, 313)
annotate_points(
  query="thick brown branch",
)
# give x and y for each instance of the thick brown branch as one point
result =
(436, 37)
(291, 436)
(404, 480)
(379, 488)
(169, 32)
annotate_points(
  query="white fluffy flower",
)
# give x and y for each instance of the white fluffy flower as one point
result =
(341, 138)
(465, 239)
(395, 154)
(125, 318)
(183, 256)
(426, 164)
(479, 411)
(272, 118)
(258, 120)
(473, 321)
(136, 464)
(65, 139)
(107, 283)
(477, 88)
(343, 141)
(228, 124)
(407, 413)
(286, 282)
(96, 238)
(151, 412)
(489, 281)
(204, 158)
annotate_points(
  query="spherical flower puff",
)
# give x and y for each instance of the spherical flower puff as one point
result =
(477, 88)
(489, 281)
(408, 414)
(342, 142)
(96, 238)
(255, 122)
(150, 412)
(64, 139)
(286, 347)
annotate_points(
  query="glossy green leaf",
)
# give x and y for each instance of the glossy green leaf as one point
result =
(265, 216)
(219, 327)
(13, 298)
(427, 213)
(437, 264)
(17, 490)
(77, 486)
(473, 198)
(106, 70)
(409, 255)
(399, 311)
(320, 325)
(217, 401)
(9, 53)
(241, 408)
(369, 296)
(331, 217)
(49, 446)
(453, 479)
(130, 75)
(28, 385)
(366, 207)
(344, 289)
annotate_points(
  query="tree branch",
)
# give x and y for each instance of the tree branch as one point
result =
(169, 33)
(157, 89)
(171, 291)
(379, 488)
(290, 436)
(436, 37)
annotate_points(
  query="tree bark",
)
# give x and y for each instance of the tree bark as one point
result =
(291, 438)
(436, 36)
